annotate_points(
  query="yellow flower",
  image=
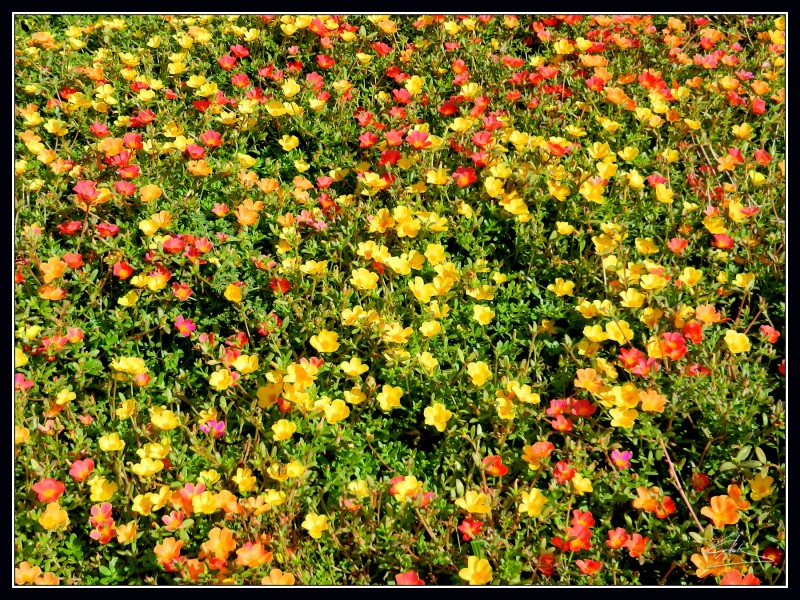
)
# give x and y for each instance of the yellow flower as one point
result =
(623, 417)
(581, 484)
(244, 479)
(147, 467)
(475, 503)
(283, 430)
(53, 516)
(561, 287)
(664, 194)
(210, 477)
(477, 572)
(336, 411)
(532, 503)
(745, 280)
(427, 360)
(290, 88)
(355, 395)
(760, 487)
(233, 293)
(564, 228)
(389, 397)
(407, 489)
(315, 524)
(20, 358)
(289, 142)
(245, 364)
(736, 342)
(325, 341)
(21, 435)
(479, 372)
(619, 331)
(437, 415)
(221, 380)
(430, 328)
(101, 489)
(65, 397)
(364, 280)
(162, 418)
(632, 298)
(111, 443)
(482, 314)
(354, 367)
(126, 408)
(691, 276)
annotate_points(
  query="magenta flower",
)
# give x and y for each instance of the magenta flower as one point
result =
(622, 459)
(185, 326)
(215, 428)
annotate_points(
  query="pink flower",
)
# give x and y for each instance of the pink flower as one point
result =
(215, 428)
(20, 383)
(622, 460)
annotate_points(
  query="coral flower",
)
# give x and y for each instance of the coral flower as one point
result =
(48, 490)
(408, 578)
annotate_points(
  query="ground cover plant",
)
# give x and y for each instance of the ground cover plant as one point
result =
(381, 299)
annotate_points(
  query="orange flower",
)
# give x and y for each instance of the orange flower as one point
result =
(735, 494)
(723, 511)
(278, 577)
(646, 501)
(52, 269)
(710, 562)
(252, 555)
(168, 552)
(220, 543)
(26, 573)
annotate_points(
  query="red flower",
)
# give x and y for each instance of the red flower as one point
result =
(693, 330)
(325, 61)
(629, 357)
(20, 383)
(674, 346)
(588, 566)
(482, 139)
(773, 555)
(408, 578)
(563, 472)
(280, 284)
(239, 51)
(494, 465)
(700, 481)
(132, 141)
(73, 260)
(469, 528)
(107, 230)
(194, 152)
(617, 538)
(381, 48)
